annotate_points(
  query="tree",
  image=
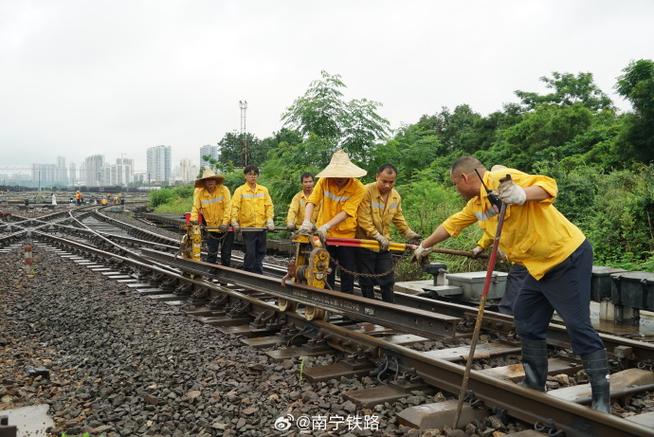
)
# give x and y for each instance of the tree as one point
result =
(354, 126)
(568, 90)
(637, 85)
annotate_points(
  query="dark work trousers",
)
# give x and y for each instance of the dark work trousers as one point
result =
(517, 275)
(255, 250)
(223, 239)
(345, 256)
(376, 262)
(566, 289)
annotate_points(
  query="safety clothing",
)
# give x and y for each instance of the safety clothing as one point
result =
(375, 215)
(596, 365)
(291, 226)
(413, 237)
(270, 225)
(296, 209)
(215, 207)
(535, 234)
(252, 207)
(534, 363)
(333, 199)
(512, 194)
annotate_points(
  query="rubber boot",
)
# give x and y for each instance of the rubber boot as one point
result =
(534, 361)
(597, 368)
(387, 293)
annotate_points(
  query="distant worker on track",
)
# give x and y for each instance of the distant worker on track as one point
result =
(338, 194)
(252, 215)
(78, 198)
(556, 254)
(381, 206)
(212, 208)
(295, 216)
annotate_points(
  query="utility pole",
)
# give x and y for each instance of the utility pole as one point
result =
(243, 104)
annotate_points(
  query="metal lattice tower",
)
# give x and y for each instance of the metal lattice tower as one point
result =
(243, 104)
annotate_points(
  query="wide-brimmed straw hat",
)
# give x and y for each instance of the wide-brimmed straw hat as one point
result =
(341, 167)
(207, 174)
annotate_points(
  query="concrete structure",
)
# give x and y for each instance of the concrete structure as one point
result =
(44, 175)
(210, 151)
(185, 171)
(73, 177)
(94, 168)
(159, 165)
(62, 171)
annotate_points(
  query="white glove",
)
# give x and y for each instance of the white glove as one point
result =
(512, 194)
(421, 252)
(270, 225)
(236, 226)
(383, 242)
(477, 250)
(291, 226)
(322, 232)
(307, 227)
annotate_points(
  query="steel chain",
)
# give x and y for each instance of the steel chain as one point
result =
(365, 275)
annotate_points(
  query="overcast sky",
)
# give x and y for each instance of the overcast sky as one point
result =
(111, 77)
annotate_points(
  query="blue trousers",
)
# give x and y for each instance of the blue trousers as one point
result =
(566, 289)
(514, 280)
(255, 251)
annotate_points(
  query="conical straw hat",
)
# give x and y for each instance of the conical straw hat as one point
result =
(207, 173)
(341, 167)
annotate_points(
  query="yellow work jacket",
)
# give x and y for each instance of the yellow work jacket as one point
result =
(215, 207)
(331, 200)
(535, 235)
(375, 215)
(252, 208)
(296, 210)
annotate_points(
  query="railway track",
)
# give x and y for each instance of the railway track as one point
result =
(417, 336)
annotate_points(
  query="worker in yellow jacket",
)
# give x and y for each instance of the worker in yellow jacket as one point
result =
(212, 202)
(556, 254)
(252, 214)
(337, 194)
(295, 216)
(381, 206)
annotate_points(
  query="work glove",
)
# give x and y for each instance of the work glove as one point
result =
(222, 228)
(512, 194)
(270, 225)
(477, 250)
(236, 226)
(306, 228)
(291, 227)
(322, 232)
(412, 237)
(421, 252)
(383, 242)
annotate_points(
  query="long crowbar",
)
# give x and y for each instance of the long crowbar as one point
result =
(484, 294)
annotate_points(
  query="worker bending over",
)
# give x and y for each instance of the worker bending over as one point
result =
(295, 216)
(381, 206)
(212, 201)
(252, 214)
(556, 254)
(337, 194)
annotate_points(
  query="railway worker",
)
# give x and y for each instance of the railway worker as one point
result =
(252, 215)
(78, 198)
(295, 216)
(517, 272)
(212, 202)
(53, 199)
(554, 251)
(338, 194)
(381, 206)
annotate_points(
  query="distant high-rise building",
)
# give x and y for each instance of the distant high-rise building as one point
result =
(62, 172)
(72, 174)
(124, 171)
(185, 171)
(208, 150)
(159, 164)
(44, 175)
(94, 170)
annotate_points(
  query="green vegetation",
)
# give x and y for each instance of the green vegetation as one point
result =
(602, 159)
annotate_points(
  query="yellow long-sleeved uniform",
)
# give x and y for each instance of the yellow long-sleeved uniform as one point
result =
(375, 215)
(331, 199)
(296, 210)
(215, 207)
(535, 234)
(252, 208)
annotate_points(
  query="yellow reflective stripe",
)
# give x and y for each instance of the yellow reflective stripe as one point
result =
(336, 198)
(252, 195)
(210, 201)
